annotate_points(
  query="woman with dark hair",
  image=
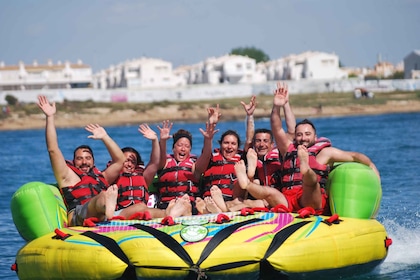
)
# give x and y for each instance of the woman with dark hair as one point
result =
(219, 180)
(179, 172)
(135, 178)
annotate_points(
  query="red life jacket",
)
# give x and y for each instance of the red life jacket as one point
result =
(177, 179)
(268, 169)
(91, 184)
(291, 175)
(221, 172)
(132, 188)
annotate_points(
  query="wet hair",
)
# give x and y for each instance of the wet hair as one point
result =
(180, 134)
(230, 132)
(263, 130)
(134, 151)
(306, 121)
(83, 147)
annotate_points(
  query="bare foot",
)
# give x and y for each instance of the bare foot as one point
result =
(111, 195)
(200, 204)
(211, 206)
(252, 158)
(303, 155)
(181, 207)
(240, 170)
(217, 198)
(171, 205)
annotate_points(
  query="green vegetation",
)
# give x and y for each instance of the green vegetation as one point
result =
(11, 100)
(257, 54)
(326, 99)
(264, 101)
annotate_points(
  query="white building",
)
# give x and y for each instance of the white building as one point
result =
(227, 69)
(412, 65)
(138, 73)
(307, 65)
(44, 76)
(191, 74)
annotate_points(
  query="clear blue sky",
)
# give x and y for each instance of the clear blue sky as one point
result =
(105, 32)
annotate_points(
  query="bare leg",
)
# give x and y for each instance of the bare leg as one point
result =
(236, 204)
(311, 189)
(217, 198)
(258, 203)
(141, 207)
(252, 158)
(271, 195)
(103, 205)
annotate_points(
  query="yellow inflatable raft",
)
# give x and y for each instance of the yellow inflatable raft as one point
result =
(250, 244)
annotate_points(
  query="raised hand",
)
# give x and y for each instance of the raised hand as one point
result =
(165, 130)
(147, 132)
(210, 130)
(45, 106)
(250, 108)
(98, 132)
(281, 95)
(213, 114)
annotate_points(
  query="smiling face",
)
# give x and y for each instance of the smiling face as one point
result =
(182, 149)
(229, 146)
(262, 143)
(305, 135)
(130, 162)
(83, 160)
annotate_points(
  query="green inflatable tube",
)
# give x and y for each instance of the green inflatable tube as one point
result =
(37, 209)
(354, 191)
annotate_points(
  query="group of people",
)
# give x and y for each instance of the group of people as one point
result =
(275, 167)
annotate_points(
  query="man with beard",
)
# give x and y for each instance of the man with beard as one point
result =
(263, 159)
(84, 188)
(306, 165)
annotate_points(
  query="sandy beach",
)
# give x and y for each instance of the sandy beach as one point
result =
(104, 116)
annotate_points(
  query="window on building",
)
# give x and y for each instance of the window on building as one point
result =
(326, 62)
(134, 71)
(161, 68)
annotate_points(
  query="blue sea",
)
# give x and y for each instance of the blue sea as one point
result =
(391, 141)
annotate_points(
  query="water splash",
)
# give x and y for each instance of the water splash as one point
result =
(403, 253)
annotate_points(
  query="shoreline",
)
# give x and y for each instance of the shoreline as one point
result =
(105, 117)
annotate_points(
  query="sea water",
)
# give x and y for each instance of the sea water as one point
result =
(391, 141)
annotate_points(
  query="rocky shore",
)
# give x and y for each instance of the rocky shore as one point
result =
(107, 117)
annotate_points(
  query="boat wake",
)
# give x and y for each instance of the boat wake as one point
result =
(403, 255)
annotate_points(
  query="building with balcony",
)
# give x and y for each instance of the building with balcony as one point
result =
(307, 65)
(45, 76)
(138, 74)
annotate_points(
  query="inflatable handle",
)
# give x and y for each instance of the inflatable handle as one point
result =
(280, 208)
(222, 218)
(247, 211)
(168, 220)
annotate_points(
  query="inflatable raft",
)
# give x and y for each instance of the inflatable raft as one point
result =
(249, 244)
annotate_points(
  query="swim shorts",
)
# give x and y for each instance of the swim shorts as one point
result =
(80, 214)
(293, 194)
